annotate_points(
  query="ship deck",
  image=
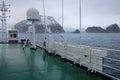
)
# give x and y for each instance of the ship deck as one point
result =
(19, 64)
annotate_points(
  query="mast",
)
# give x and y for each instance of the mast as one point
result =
(80, 22)
(62, 14)
(4, 9)
(44, 18)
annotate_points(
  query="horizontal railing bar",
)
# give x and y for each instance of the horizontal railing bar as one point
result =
(111, 76)
(103, 64)
(106, 49)
(113, 59)
(111, 67)
(100, 57)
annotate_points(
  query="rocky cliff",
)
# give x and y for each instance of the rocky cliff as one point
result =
(51, 23)
(95, 29)
(76, 31)
(113, 28)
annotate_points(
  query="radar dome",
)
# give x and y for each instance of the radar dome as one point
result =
(32, 14)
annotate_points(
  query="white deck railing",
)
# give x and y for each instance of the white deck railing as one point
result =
(74, 54)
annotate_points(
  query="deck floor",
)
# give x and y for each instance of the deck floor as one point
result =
(19, 64)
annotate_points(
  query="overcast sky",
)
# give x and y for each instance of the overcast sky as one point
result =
(94, 12)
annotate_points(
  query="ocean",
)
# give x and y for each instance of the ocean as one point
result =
(105, 40)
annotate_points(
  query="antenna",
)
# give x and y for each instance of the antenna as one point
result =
(80, 17)
(62, 13)
(45, 26)
(3, 10)
(80, 23)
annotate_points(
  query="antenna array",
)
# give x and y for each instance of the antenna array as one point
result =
(4, 10)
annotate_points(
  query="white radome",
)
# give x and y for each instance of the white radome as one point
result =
(32, 14)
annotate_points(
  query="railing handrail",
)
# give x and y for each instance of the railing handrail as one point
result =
(112, 59)
(108, 49)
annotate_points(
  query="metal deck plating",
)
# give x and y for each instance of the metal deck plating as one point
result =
(19, 64)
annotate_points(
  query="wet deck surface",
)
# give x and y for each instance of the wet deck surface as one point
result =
(19, 64)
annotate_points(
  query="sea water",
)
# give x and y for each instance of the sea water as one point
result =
(106, 40)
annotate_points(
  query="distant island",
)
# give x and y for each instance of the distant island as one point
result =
(113, 28)
(76, 31)
(51, 23)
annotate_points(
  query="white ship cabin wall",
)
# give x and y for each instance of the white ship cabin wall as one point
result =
(13, 36)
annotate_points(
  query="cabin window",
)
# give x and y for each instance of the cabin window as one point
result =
(14, 35)
(10, 35)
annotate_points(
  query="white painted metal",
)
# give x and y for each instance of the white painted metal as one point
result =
(44, 14)
(4, 9)
(80, 6)
(77, 54)
(50, 44)
(72, 53)
(25, 43)
(62, 13)
(33, 41)
(33, 15)
(13, 34)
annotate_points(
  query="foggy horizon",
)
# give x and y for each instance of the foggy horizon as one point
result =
(94, 12)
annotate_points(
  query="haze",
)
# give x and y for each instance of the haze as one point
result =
(94, 12)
